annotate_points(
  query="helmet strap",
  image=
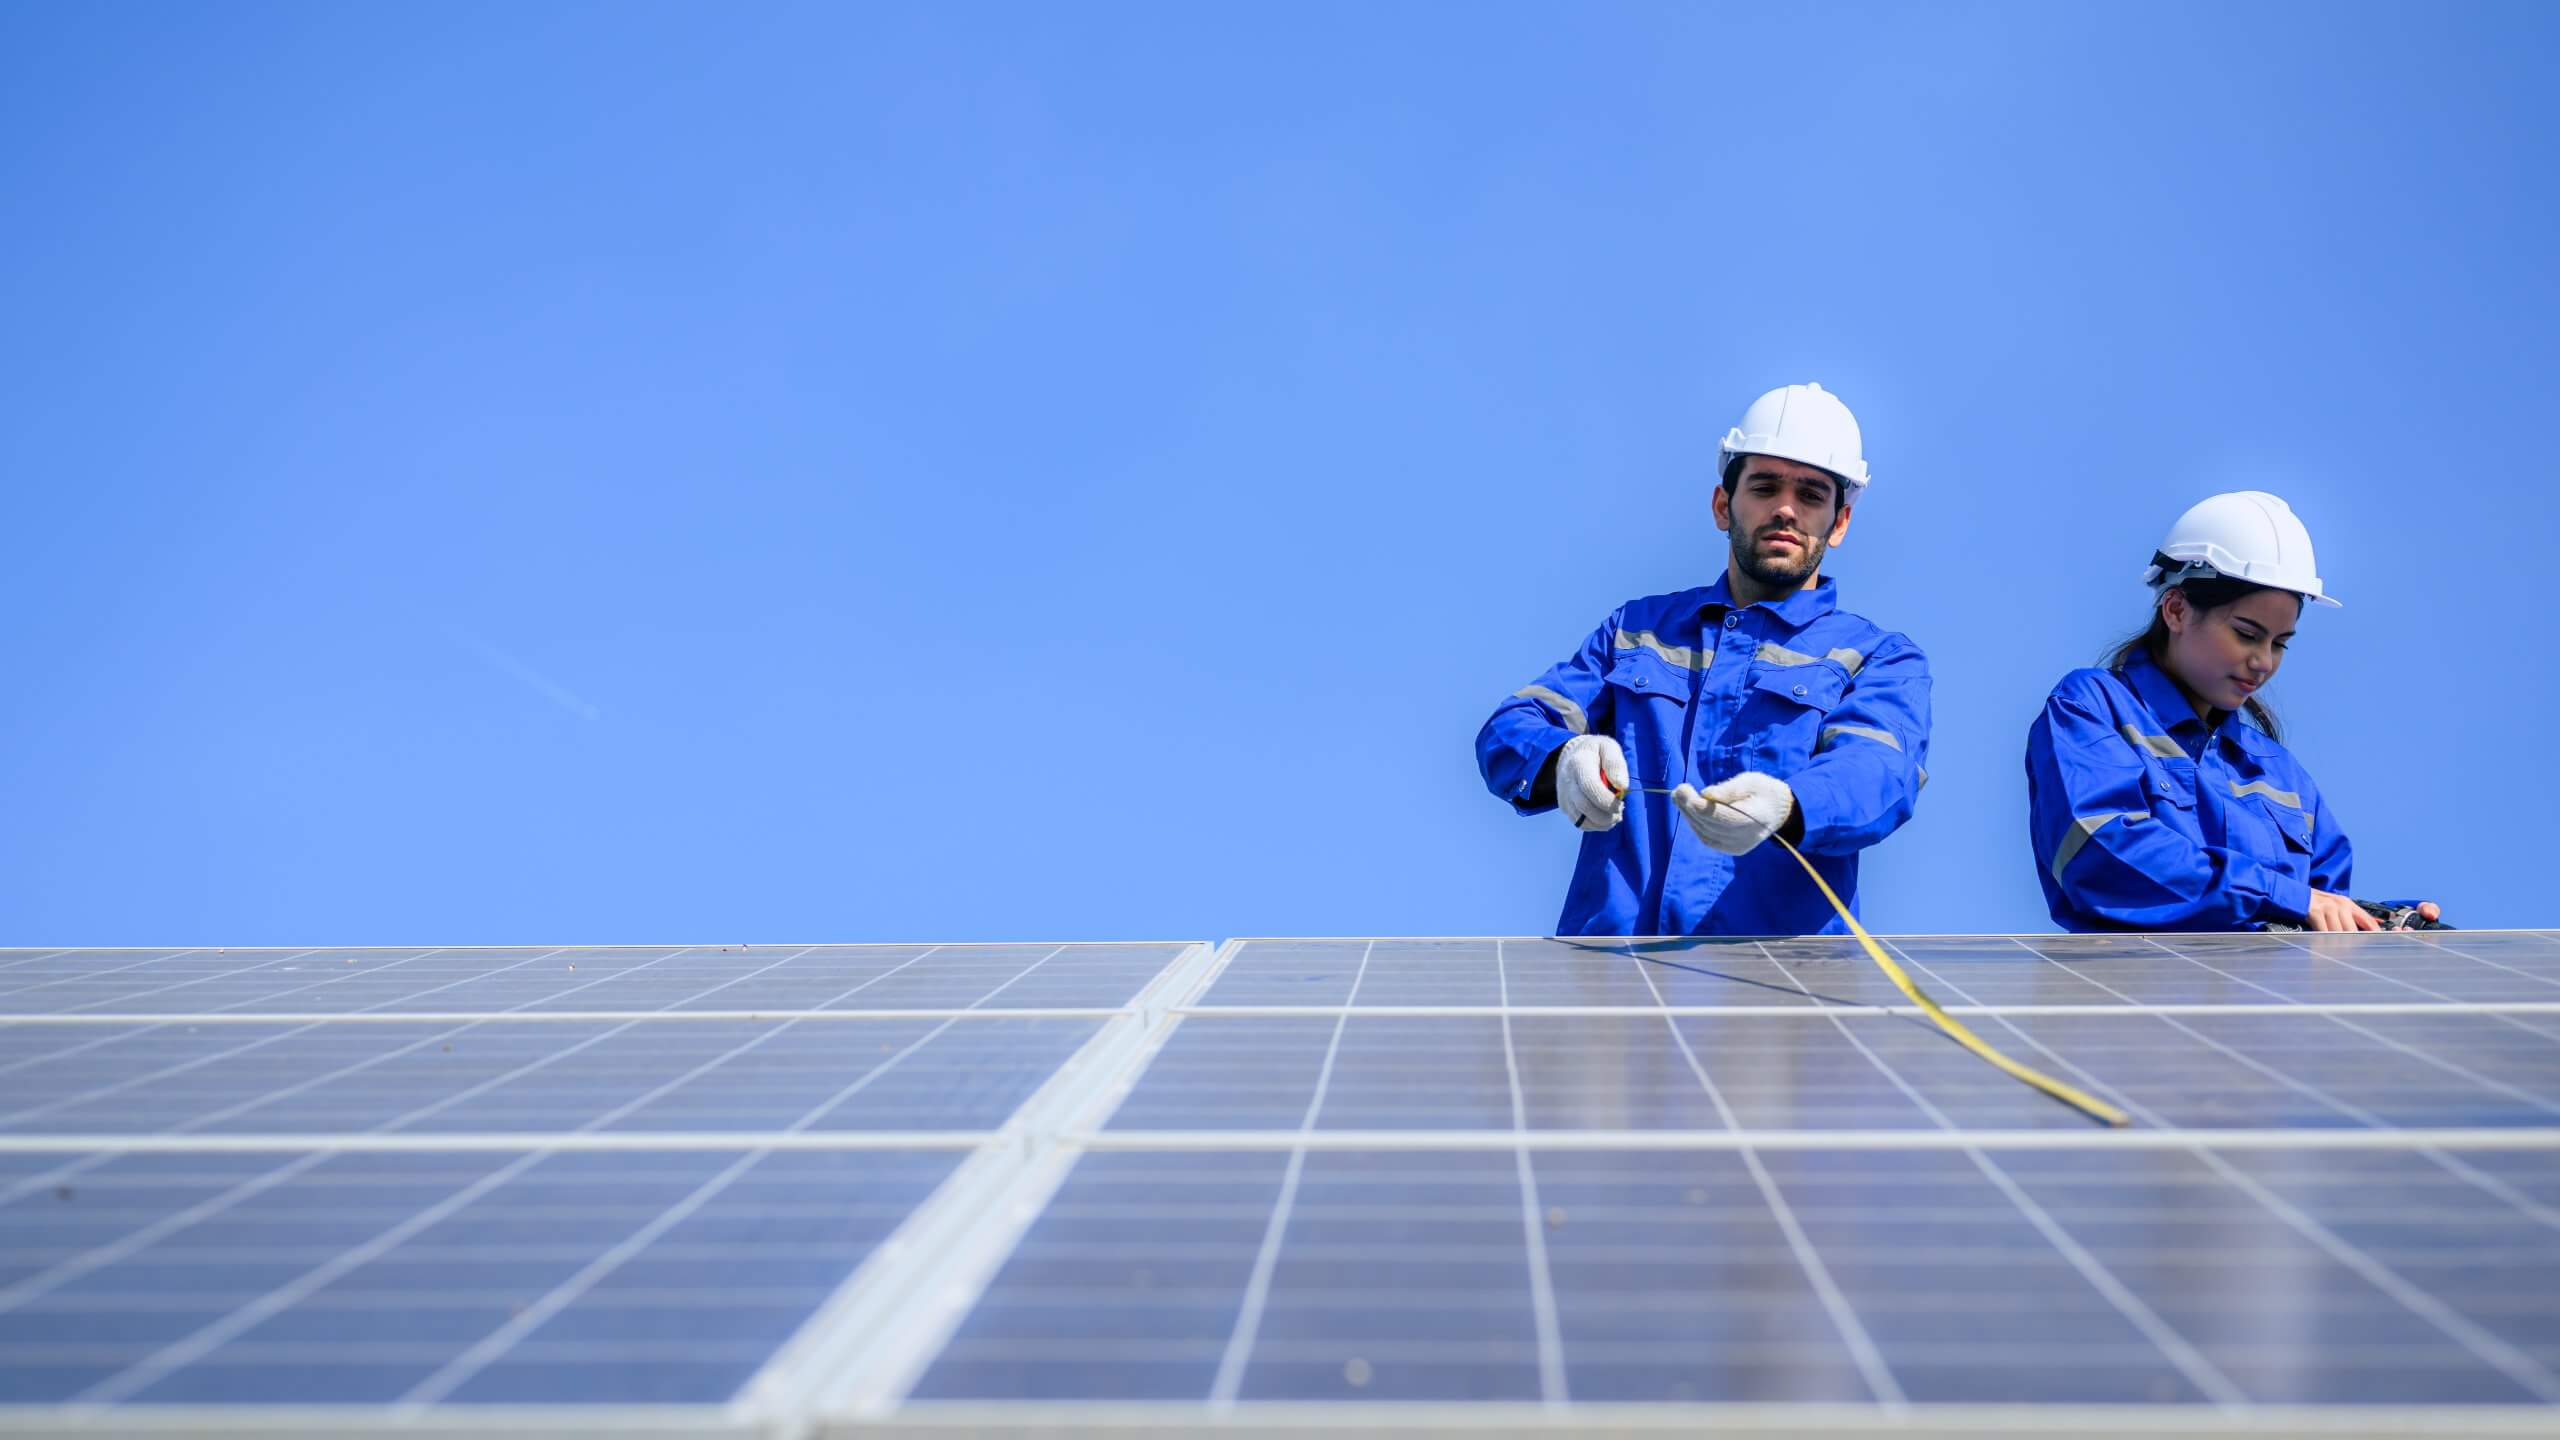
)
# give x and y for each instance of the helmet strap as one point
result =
(2167, 580)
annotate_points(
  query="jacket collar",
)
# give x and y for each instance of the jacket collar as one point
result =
(2166, 700)
(1798, 610)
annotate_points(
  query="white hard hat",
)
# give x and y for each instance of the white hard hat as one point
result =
(2245, 535)
(1803, 423)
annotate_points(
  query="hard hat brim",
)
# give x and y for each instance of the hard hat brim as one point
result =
(2157, 579)
(1737, 444)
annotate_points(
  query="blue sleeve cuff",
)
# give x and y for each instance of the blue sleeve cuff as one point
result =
(1818, 802)
(1535, 753)
(2287, 898)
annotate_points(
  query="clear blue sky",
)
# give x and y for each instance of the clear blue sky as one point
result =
(869, 472)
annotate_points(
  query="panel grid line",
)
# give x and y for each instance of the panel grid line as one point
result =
(88, 1010)
(2300, 1087)
(2484, 1138)
(442, 1383)
(101, 1092)
(1862, 1347)
(156, 989)
(2191, 1362)
(2469, 1173)
(2502, 1013)
(2324, 957)
(1257, 1290)
(468, 1022)
(523, 1016)
(154, 958)
(2437, 995)
(194, 1346)
(344, 974)
(1552, 1389)
(80, 1264)
(1822, 1005)
(2387, 1041)
(83, 1047)
(64, 1172)
(2483, 1345)
(864, 1350)
(2434, 939)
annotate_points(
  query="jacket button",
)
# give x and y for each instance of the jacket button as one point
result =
(1639, 682)
(1732, 621)
(1799, 689)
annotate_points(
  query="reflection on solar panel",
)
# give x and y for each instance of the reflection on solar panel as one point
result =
(1469, 1184)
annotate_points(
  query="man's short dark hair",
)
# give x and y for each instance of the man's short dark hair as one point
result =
(1733, 477)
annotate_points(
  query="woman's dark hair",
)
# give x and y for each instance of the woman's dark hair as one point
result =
(2203, 592)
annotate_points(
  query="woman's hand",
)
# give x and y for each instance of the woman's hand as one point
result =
(2337, 912)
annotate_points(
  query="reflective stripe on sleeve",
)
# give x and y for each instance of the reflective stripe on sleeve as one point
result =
(1869, 732)
(1565, 709)
(1680, 655)
(2082, 830)
(2160, 745)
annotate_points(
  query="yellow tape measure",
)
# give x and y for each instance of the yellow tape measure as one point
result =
(2087, 1104)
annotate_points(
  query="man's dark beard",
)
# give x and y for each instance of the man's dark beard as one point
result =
(1778, 574)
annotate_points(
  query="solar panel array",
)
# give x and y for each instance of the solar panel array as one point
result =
(1282, 1184)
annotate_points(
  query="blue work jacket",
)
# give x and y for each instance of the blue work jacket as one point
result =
(1696, 689)
(2144, 817)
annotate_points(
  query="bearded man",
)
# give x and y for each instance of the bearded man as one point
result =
(1689, 728)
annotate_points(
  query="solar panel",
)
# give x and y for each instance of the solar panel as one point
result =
(1286, 1184)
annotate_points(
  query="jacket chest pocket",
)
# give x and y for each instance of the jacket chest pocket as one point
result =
(1649, 709)
(1783, 710)
(2172, 794)
(2271, 823)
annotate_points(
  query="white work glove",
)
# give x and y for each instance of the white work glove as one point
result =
(1591, 782)
(1738, 814)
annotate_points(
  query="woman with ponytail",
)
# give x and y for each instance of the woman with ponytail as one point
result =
(2159, 796)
